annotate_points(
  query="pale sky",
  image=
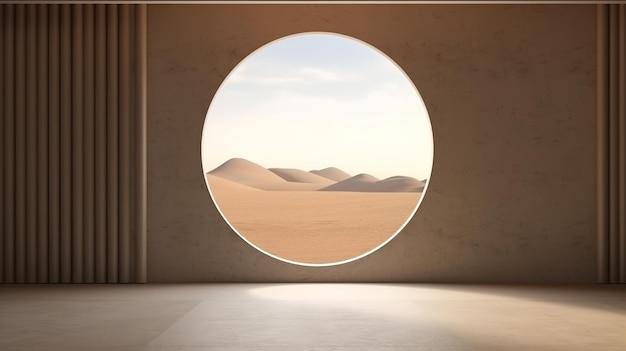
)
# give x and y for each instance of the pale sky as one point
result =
(318, 100)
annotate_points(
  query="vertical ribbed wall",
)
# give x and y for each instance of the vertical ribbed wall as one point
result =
(611, 143)
(73, 154)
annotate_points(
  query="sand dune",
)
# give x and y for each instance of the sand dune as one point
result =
(300, 176)
(253, 175)
(360, 182)
(243, 171)
(332, 173)
(368, 183)
(399, 183)
(222, 184)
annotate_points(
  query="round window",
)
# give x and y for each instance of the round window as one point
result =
(317, 149)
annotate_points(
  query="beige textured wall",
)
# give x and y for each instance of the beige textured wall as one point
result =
(511, 95)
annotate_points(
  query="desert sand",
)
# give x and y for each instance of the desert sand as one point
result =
(294, 215)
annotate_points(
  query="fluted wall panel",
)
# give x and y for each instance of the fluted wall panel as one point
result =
(611, 129)
(72, 176)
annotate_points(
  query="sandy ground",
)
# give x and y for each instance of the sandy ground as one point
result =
(313, 226)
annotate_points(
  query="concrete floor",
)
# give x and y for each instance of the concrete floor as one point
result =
(312, 317)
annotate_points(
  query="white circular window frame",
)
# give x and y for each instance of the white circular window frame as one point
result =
(391, 237)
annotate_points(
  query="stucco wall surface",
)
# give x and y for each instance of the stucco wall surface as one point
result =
(511, 93)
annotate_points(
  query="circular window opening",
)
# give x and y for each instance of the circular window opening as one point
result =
(317, 149)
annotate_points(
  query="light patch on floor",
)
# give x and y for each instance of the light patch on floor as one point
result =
(312, 317)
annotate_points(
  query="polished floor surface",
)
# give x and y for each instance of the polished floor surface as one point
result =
(312, 317)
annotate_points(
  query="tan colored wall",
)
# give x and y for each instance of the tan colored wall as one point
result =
(511, 96)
